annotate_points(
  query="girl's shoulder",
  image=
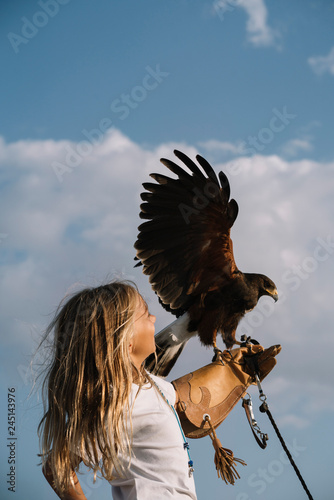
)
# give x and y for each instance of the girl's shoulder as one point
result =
(166, 387)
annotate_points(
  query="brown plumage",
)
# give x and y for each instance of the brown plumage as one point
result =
(186, 250)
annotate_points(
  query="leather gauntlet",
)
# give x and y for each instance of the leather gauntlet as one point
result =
(216, 388)
(206, 396)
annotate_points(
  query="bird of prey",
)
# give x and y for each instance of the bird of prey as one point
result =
(185, 248)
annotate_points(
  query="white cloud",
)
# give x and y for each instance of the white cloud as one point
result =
(291, 420)
(303, 142)
(259, 32)
(310, 126)
(220, 146)
(322, 64)
(294, 146)
(83, 229)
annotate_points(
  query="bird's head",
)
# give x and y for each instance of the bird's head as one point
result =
(267, 287)
(259, 285)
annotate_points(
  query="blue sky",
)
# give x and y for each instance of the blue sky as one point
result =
(92, 95)
(220, 83)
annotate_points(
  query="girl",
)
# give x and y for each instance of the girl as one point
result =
(101, 407)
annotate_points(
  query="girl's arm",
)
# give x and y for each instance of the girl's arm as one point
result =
(72, 493)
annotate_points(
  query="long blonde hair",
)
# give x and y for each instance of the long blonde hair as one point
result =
(88, 383)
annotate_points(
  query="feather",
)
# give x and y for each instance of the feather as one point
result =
(170, 343)
(185, 248)
(175, 169)
(208, 169)
(190, 164)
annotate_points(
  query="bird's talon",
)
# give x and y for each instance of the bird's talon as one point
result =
(218, 354)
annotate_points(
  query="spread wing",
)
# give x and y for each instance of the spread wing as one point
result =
(184, 245)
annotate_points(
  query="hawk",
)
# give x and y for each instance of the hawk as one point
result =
(185, 248)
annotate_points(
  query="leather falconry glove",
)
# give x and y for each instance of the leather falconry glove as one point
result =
(207, 395)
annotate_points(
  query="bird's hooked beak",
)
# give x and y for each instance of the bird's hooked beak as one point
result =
(273, 294)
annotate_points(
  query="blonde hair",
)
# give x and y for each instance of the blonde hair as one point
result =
(88, 383)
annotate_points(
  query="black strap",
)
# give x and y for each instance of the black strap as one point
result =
(246, 403)
(265, 409)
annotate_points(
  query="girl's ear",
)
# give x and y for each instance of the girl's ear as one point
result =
(130, 348)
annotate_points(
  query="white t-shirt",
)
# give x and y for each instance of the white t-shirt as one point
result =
(159, 465)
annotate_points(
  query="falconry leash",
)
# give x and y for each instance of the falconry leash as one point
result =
(260, 437)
